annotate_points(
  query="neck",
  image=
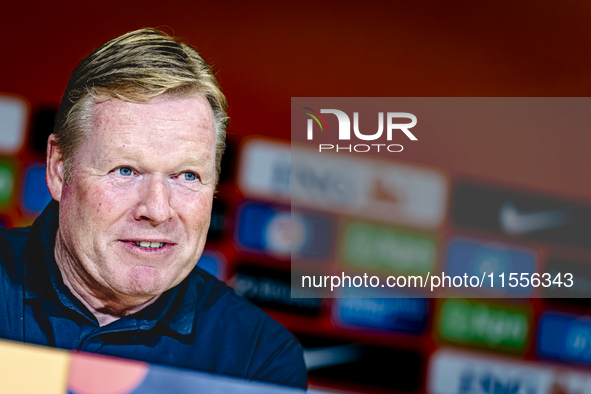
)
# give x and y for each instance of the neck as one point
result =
(105, 304)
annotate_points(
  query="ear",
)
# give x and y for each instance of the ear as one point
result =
(55, 169)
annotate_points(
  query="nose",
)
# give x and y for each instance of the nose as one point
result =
(154, 205)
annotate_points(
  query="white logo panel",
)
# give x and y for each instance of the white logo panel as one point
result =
(365, 187)
(455, 372)
(13, 122)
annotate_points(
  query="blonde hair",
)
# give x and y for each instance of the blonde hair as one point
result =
(136, 67)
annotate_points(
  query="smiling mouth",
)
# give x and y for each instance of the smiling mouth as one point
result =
(149, 245)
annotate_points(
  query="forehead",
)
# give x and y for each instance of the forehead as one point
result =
(160, 130)
(193, 112)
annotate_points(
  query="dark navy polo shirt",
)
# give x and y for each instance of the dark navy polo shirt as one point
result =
(200, 324)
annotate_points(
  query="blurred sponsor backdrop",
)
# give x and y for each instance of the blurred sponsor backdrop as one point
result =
(265, 54)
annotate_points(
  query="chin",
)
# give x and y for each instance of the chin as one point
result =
(144, 281)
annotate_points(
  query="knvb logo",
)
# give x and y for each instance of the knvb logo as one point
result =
(345, 129)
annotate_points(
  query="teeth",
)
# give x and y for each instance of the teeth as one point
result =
(146, 244)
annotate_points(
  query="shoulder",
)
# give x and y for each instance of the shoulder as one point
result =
(220, 299)
(273, 354)
(217, 298)
(14, 238)
(12, 249)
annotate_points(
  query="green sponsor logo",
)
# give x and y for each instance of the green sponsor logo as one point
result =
(391, 251)
(6, 182)
(482, 324)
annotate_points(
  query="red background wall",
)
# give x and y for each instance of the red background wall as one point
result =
(268, 52)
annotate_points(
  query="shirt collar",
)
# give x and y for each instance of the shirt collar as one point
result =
(176, 308)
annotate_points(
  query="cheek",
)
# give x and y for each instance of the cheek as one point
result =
(94, 205)
(194, 210)
(106, 201)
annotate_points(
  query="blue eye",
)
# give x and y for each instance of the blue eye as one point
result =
(190, 176)
(125, 171)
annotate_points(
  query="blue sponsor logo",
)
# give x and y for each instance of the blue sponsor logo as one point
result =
(475, 258)
(406, 315)
(213, 263)
(35, 195)
(279, 232)
(565, 338)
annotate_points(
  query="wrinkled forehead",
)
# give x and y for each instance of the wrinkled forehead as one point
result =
(158, 129)
(192, 111)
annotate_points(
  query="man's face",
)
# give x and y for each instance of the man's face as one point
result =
(136, 213)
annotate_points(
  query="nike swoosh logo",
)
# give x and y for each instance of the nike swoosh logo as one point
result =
(324, 357)
(518, 223)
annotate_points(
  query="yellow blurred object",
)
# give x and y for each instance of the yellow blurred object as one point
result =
(28, 369)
